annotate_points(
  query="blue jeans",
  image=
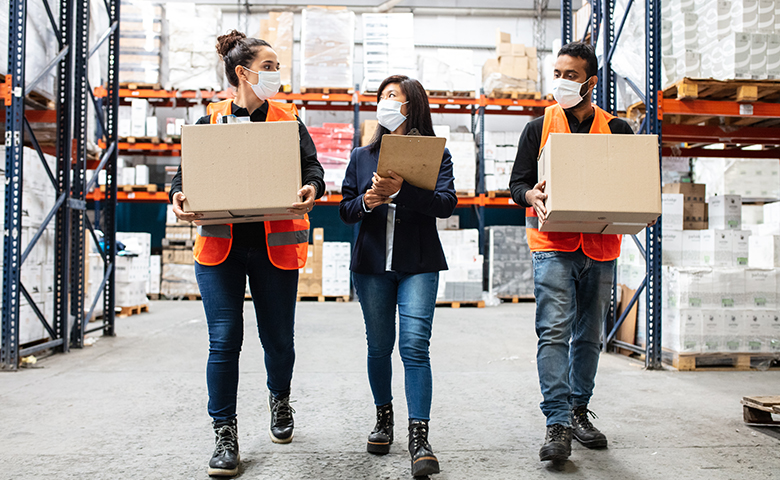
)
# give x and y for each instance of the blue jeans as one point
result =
(415, 295)
(273, 294)
(573, 294)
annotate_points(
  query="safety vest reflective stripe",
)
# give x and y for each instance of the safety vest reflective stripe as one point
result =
(277, 239)
(594, 245)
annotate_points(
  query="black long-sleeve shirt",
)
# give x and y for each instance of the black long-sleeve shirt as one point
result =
(247, 234)
(525, 171)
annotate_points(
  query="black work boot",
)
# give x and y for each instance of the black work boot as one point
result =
(584, 431)
(224, 462)
(381, 437)
(424, 462)
(281, 430)
(557, 444)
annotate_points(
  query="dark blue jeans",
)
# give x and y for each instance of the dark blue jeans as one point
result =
(572, 299)
(415, 295)
(273, 294)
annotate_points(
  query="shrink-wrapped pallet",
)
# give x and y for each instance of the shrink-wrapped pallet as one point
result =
(190, 60)
(327, 48)
(139, 42)
(277, 30)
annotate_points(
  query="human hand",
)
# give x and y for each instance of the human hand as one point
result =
(389, 185)
(178, 209)
(307, 193)
(373, 199)
(536, 198)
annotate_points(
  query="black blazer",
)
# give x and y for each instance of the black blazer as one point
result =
(416, 245)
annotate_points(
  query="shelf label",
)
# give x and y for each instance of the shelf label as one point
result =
(746, 109)
(131, 195)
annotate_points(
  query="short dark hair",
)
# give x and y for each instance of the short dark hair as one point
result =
(418, 109)
(236, 49)
(584, 51)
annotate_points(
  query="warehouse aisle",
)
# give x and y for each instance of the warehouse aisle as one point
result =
(133, 407)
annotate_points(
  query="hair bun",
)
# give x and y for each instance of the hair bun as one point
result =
(225, 43)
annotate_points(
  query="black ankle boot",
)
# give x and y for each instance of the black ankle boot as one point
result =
(380, 439)
(224, 462)
(557, 444)
(424, 462)
(584, 431)
(282, 424)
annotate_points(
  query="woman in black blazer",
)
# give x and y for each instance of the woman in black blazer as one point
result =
(396, 261)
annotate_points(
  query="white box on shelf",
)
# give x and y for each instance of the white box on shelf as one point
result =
(725, 212)
(717, 248)
(732, 322)
(712, 331)
(764, 251)
(141, 175)
(673, 211)
(761, 288)
(672, 251)
(740, 247)
(728, 288)
(691, 248)
(139, 108)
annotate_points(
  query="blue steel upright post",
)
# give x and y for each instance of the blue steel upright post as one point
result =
(567, 29)
(653, 127)
(14, 159)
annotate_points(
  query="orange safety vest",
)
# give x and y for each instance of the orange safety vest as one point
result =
(595, 245)
(287, 240)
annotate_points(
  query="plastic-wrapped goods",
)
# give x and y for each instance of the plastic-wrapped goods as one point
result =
(178, 281)
(754, 179)
(464, 155)
(278, 31)
(508, 264)
(327, 48)
(190, 61)
(139, 42)
(388, 48)
(334, 146)
(450, 70)
(463, 280)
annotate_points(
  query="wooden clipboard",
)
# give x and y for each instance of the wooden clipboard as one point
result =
(415, 158)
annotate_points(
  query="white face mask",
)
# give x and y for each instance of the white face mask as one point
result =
(268, 84)
(567, 93)
(388, 114)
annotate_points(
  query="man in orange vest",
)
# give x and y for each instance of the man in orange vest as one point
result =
(573, 272)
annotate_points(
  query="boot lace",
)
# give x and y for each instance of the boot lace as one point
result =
(557, 433)
(281, 409)
(581, 417)
(419, 435)
(383, 418)
(227, 436)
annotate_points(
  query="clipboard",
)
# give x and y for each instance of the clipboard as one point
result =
(416, 158)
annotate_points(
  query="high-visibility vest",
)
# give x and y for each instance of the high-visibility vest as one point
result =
(287, 240)
(595, 245)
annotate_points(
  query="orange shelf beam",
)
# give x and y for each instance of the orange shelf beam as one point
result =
(670, 106)
(141, 197)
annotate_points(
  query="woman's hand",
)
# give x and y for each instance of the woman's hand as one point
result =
(372, 199)
(388, 185)
(308, 192)
(178, 209)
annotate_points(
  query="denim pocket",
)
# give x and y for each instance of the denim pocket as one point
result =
(537, 256)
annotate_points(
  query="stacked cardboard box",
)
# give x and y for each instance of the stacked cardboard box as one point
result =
(500, 153)
(155, 276)
(177, 231)
(277, 30)
(388, 47)
(367, 131)
(327, 48)
(178, 280)
(139, 43)
(582, 21)
(685, 207)
(132, 269)
(189, 62)
(310, 276)
(462, 282)
(721, 39)
(464, 156)
(516, 67)
(509, 268)
(335, 268)
(334, 144)
(754, 179)
(451, 70)
(178, 265)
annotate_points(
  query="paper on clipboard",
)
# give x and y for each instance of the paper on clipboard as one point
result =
(415, 158)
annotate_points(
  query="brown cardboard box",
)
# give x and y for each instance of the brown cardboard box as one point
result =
(694, 192)
(694, 211)
(491, 66)
(177, 255)
(512, 66)
(518, 49)
(696, 225)
(627, 331)
(277, 30)
(179, 232)
(310, 276)
(241, 172)
(502, 37)
(367, 131)
(530, 52)
(600, 183)
(503, 49)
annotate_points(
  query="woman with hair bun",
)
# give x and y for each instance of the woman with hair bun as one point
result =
(268, 253)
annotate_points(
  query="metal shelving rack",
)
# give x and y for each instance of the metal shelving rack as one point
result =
(68, 324)
(603, 15)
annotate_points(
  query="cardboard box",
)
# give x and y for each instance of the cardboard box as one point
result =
(244, 172)
(177, 255)
(673, 211)
(573, 164)
(694, 192)
(725, 212)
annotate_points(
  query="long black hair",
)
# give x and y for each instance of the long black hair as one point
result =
(418, 109)
(236, 49)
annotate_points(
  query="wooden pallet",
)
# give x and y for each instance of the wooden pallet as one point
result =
(134, 310)
(451, 93)
(452, 304)
(499, 193)
(515, 94)
(466, 193)
(140, 86)
(154, 296)
(286, 89)
(686, 362)
(151, 188)
(167, 242)
(517, 298)
(757, 411)
(743, 91)
(154, 140)
(323, 298)
(327, 91)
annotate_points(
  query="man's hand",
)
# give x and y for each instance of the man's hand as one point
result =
(373, 199)
(387, 185)
(178, 209)
(308, 192)
(536, 198)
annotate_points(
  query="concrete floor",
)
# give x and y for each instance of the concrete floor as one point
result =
(133, 407)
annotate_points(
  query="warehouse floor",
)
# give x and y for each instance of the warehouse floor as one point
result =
(133, 407)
